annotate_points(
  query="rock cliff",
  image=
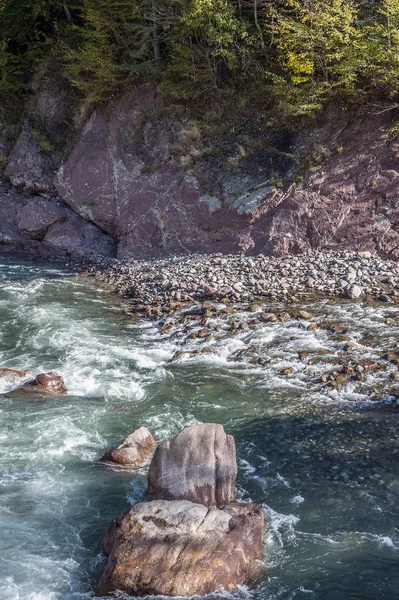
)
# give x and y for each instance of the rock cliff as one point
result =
(124, 189)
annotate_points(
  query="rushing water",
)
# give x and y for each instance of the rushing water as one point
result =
(323, 466)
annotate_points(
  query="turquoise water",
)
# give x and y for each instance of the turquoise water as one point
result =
(323, 466)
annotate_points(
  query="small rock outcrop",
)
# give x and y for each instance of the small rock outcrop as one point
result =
(198, 465)
(46, 383)
(134, 451)
(45, 226)
(179, 548)
(28, 168)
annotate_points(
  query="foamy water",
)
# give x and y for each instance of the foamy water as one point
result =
(321, 463)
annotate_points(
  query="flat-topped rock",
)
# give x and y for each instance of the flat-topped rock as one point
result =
(178, 548)
(134, 451)
(198, 465)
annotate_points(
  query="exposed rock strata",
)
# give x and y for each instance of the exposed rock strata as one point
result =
(180, 548)
(198, 465)
(121, 176)
(134, 451)
(40, 146)
(124, 175)
(29, 168)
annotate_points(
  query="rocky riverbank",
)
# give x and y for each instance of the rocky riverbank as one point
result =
(238, 278)
(249, 309)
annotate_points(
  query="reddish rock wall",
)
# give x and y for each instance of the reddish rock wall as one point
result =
(122, 178)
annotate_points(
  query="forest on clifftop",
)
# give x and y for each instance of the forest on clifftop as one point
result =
(294, 55)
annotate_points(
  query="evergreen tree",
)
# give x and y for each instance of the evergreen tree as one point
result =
(318, 51)
(300, 53)
(27, 29)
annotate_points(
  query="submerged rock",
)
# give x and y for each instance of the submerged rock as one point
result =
(134, 451)
(46, 383)
(198, 465)
(178, 548)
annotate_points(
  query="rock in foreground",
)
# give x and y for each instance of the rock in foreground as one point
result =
(46, 383)
(178, 548)
(198, 465)
(134, 451)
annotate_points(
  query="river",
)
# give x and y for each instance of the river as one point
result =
(323, 466)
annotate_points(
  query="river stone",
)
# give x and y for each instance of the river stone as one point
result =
(46, 383)
(305, 314)
(178, 548)
(354, 291)
(199, 465)
(134, 451)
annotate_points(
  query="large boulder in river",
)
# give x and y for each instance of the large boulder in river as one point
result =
(198, 465)
(134, 451)
(46, 383)
(177, 548)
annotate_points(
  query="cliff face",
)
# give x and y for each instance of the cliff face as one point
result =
(123, 190)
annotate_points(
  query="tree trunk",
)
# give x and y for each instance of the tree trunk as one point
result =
(67, 12)
(156, 35)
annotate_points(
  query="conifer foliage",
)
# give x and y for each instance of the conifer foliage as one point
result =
(299, 53)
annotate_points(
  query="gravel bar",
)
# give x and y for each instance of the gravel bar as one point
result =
(238, 278)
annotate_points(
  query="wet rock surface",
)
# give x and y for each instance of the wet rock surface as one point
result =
(198, 465)
(180, 543)
(305, 337)
(179, 548)
(135, 450)
(326, 456)
(26, 382)
(11, 379)
(45, 383)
